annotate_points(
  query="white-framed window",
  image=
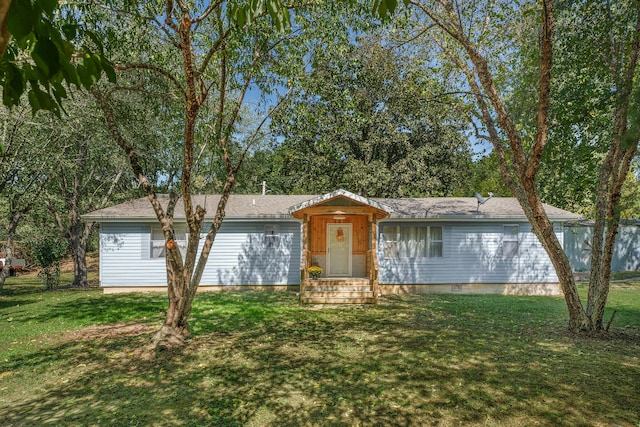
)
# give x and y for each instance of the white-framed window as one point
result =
(158, 244)
(271, 237)
(510, 240)
(412, 241)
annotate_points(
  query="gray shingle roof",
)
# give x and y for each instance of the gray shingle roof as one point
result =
(465, 207)
(278, 206)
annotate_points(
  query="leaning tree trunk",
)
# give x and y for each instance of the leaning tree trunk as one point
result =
(613, 172)
(612, 175)
(543, 228)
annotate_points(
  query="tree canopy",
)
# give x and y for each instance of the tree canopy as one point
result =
(368, 118)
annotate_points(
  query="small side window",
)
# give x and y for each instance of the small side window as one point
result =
(510, 242)
(158, 249)
(158, 244)
(271, 237)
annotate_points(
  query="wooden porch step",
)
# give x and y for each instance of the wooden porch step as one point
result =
(337, 300)
(339, 293)
(353, 281)
(347, 290)
(339, 288)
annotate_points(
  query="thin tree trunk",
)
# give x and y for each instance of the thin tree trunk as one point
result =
(11, 233)
(5, 36)
(517, 167)
(612, 174)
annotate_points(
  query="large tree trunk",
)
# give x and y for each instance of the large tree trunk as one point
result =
(544, 230)
(519, 163)
(184, 275)
(175, 328)
(78, 242)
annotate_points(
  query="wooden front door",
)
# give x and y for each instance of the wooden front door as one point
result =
(339, 245)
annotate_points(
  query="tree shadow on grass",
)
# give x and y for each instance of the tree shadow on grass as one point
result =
(401, 363)
(96, 308)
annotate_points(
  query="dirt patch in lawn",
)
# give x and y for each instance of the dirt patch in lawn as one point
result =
(116, 330)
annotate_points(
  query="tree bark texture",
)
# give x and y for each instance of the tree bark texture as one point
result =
(613, 172)
(518, 168)
(11, 232)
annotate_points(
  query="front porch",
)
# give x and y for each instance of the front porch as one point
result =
(347, 290)
(339, 235)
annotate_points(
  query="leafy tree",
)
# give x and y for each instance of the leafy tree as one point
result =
(91, 175)
(482, 43)
(600, 115)
(368, 118)
(630, 197)
(38, 54)
(25, 166)
(48, 252)
(486, 177)
(220, 50)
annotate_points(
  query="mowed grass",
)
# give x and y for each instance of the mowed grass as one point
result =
(72, 358)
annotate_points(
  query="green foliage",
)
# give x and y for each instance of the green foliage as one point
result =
(42, 57)
(368, 118)
(245, 13)
(590, 38)
(486, 177)
(48, 253)
(630, 197)
(385, 8)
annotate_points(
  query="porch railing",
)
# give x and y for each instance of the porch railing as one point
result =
(372, 263)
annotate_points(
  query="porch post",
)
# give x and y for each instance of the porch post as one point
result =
(374, 257)
(304, 259)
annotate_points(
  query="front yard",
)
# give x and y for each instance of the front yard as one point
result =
(72, 358)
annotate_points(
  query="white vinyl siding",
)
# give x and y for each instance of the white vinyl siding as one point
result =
(472, 253)
(238, 255)
(626, 251)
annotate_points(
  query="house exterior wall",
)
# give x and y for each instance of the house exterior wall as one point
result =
(626, 252)
(472, 253)
(240, 255)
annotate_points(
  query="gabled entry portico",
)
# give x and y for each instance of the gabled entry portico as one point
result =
(339, 233)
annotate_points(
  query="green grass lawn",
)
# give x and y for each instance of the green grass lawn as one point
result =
(72, 358)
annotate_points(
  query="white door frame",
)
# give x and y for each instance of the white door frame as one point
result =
(331, 230)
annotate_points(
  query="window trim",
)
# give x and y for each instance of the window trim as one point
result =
(271, 236)
(511, 238)
(155, 230)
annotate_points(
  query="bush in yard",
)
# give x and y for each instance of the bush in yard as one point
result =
(48, 253)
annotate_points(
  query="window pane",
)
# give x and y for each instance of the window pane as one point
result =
(271, 237)
(435, 250)
(509, 249)
(389, 242)
(510, 240)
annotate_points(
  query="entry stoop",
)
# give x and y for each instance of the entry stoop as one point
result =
(348, 290)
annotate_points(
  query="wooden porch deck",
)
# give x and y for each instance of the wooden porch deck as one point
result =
(347, 290)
